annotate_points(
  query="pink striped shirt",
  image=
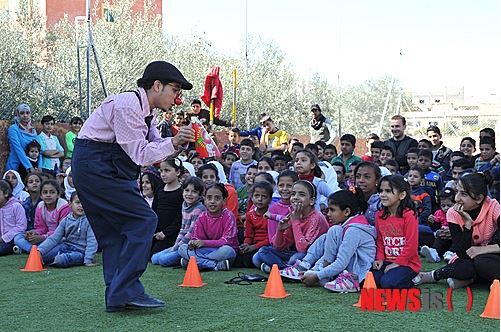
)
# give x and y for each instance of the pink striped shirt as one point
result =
(120, 119)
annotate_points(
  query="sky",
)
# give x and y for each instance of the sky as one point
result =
(429, 45)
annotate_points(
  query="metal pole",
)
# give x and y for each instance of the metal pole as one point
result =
(98, 65)
(246, 73)
(339, 106)
(79, 73)
(89, 41)
(390, 89)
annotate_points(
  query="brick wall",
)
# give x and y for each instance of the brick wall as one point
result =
(56, 9)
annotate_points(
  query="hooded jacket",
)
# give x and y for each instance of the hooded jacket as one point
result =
(75, 232)
(356, 251)
(12, 219)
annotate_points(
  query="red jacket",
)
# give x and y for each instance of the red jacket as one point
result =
(256, 229)
(397, 239)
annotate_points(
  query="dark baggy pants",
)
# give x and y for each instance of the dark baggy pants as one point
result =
(123, 223)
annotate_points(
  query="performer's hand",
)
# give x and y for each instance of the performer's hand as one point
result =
(185, 135)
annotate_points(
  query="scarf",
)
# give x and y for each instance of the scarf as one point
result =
(317, 123)
(308, 177)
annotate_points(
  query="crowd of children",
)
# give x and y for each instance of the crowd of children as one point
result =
(324, 218)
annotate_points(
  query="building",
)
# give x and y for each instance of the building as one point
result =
(55, 10)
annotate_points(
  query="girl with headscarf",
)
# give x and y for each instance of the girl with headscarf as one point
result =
(17, 184)
(20, 134)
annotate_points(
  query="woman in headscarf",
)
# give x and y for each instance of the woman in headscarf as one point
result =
(20, 134)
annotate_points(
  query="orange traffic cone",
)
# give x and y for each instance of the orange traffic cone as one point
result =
(492, 307)
(192, 277)
(274, 287)
(34, 262)
(369, 283)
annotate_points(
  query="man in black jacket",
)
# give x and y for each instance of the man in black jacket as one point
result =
(400, 142)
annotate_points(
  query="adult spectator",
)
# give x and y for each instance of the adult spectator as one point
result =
(320, 126)
(441, 153)
(20, 134)
(400, 142)
(272, 138)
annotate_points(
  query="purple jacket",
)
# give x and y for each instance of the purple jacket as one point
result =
(12, 219)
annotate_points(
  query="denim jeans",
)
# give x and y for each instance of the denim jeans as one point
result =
(21, 242)
(166, 258)
(207, 258)
(270, 255)
(316, 250)
(399, 277)
(63, 255)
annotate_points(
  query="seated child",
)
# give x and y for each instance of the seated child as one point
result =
(167, 204)
(397, 261)
(296, 232)
(487, 152)
(341, 174)
(392, 166)
(256, 224)
(330, 152)
(243, 191)
(214, 238)
(345, 254)
(12, 218)
(33, 153)
(422, 202)
(17, 184)
(49, 212)
(73, 242)
(474, 226)
(149, 183)
(193, 190)
(281, 208)
(239, 168)
(442, 243)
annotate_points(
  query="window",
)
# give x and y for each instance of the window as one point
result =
(108, 14)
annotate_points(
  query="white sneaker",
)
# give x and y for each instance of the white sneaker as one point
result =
(456, 283)
(448, 255)
(430, 254)
(17, 250)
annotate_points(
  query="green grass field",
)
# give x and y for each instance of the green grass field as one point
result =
(72, 300)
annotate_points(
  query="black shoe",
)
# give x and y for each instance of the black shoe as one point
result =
(144, 301)
(116, 308)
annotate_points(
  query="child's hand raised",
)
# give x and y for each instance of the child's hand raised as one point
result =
(297, 211)
(377, 264)
(466, 217)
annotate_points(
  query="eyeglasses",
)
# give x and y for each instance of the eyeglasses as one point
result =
(177, 89)
(24, 112)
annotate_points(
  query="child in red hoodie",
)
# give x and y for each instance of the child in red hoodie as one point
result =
(256, 224)
(397, 260)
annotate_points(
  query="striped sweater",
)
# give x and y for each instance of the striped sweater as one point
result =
(189, 216)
